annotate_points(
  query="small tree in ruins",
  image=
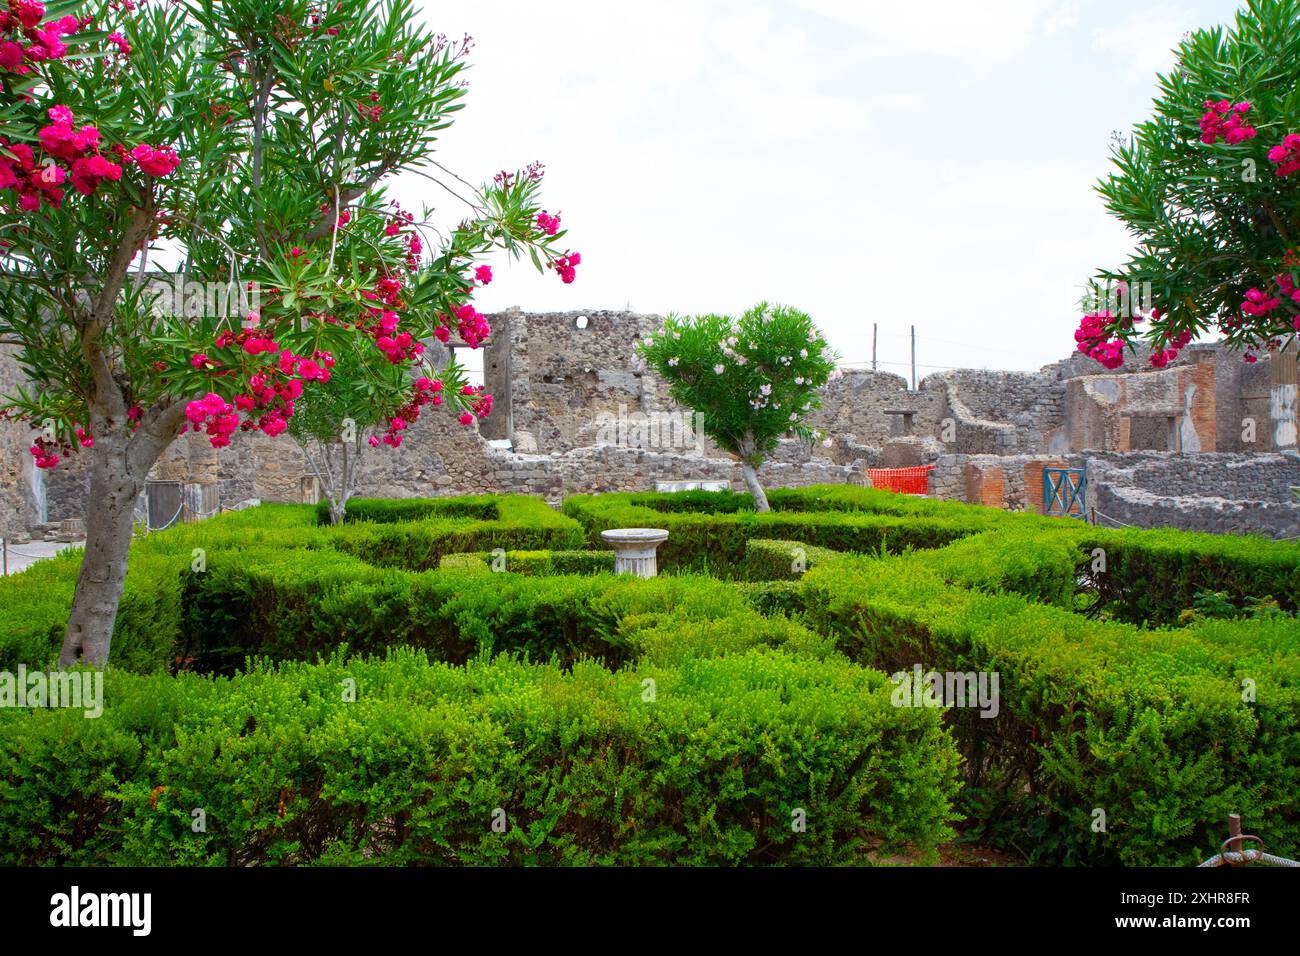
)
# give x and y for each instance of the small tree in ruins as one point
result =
(240, 145)
(750, 380)
(337, 424)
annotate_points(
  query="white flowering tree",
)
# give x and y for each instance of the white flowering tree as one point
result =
(750, 380)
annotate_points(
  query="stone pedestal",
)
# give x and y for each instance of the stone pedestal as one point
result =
(635, 548)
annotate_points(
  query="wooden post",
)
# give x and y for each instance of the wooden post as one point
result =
(1234, 833)
(914, 358)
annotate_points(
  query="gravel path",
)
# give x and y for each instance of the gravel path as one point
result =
(23, 556)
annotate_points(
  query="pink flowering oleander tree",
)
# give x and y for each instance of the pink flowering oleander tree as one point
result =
(1209, 188)
(238, 151)
(336, 427)
(750, 380)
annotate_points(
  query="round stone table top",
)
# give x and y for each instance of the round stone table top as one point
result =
(636, 537)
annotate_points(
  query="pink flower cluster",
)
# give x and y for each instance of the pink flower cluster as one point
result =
(481, 406)
(398, 347)
(533, 172)
(268, 403)
(345, 215)
(1096, 343)
(427, 391)
(1233, 129)
(1162, 357)
(566, 266)
(1286, 155)
(60, 141)
(546, 224)
(399, 221)
(41, 178)
(155, 162)
(119, 41)
(483, 275)
(21, 23)
(473, 327)
(1258, 304)
(371, 111)
(43, 452)
(213, 415)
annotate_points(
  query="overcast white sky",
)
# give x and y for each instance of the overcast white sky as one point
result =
(920, 161)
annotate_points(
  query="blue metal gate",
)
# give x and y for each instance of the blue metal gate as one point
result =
(1065, 492)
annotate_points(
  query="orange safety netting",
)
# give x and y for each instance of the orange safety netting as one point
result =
(906, 481)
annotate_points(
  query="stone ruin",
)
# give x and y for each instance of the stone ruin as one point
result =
(1207, 443)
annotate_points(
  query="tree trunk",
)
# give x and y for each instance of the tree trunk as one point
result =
(119, 461)
(338, 511)
(110, 510)
(755, 489)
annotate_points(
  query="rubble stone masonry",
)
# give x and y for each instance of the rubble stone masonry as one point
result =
(575, 413)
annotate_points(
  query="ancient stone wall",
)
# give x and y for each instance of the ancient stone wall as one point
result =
(1007, 413)
(575, 413)
(1218, 492)
(568, 367)
(1014, 482)
(20, 485)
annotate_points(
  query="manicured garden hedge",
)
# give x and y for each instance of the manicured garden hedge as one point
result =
(1152, 576)
(521, 689)
(782, 560)
(587, 771)
(535, 562)
(262, 603)
(151, 625)
(752, 718)
(715, 543)
(1148, 726)
(389, 510)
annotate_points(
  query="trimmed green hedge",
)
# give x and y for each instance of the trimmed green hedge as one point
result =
(767, 560)
(263, 603)
(535, 562)
(526, 683)
(389, 510)
(715, 543)
(579, 765)
(1149, 727)
(1153, 576)
(150, 634)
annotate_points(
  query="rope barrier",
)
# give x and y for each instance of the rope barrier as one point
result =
(37, 557)
(1125, 524)
(1122, 524)
(1232, 853)
(164, 527)
(1229, 858)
